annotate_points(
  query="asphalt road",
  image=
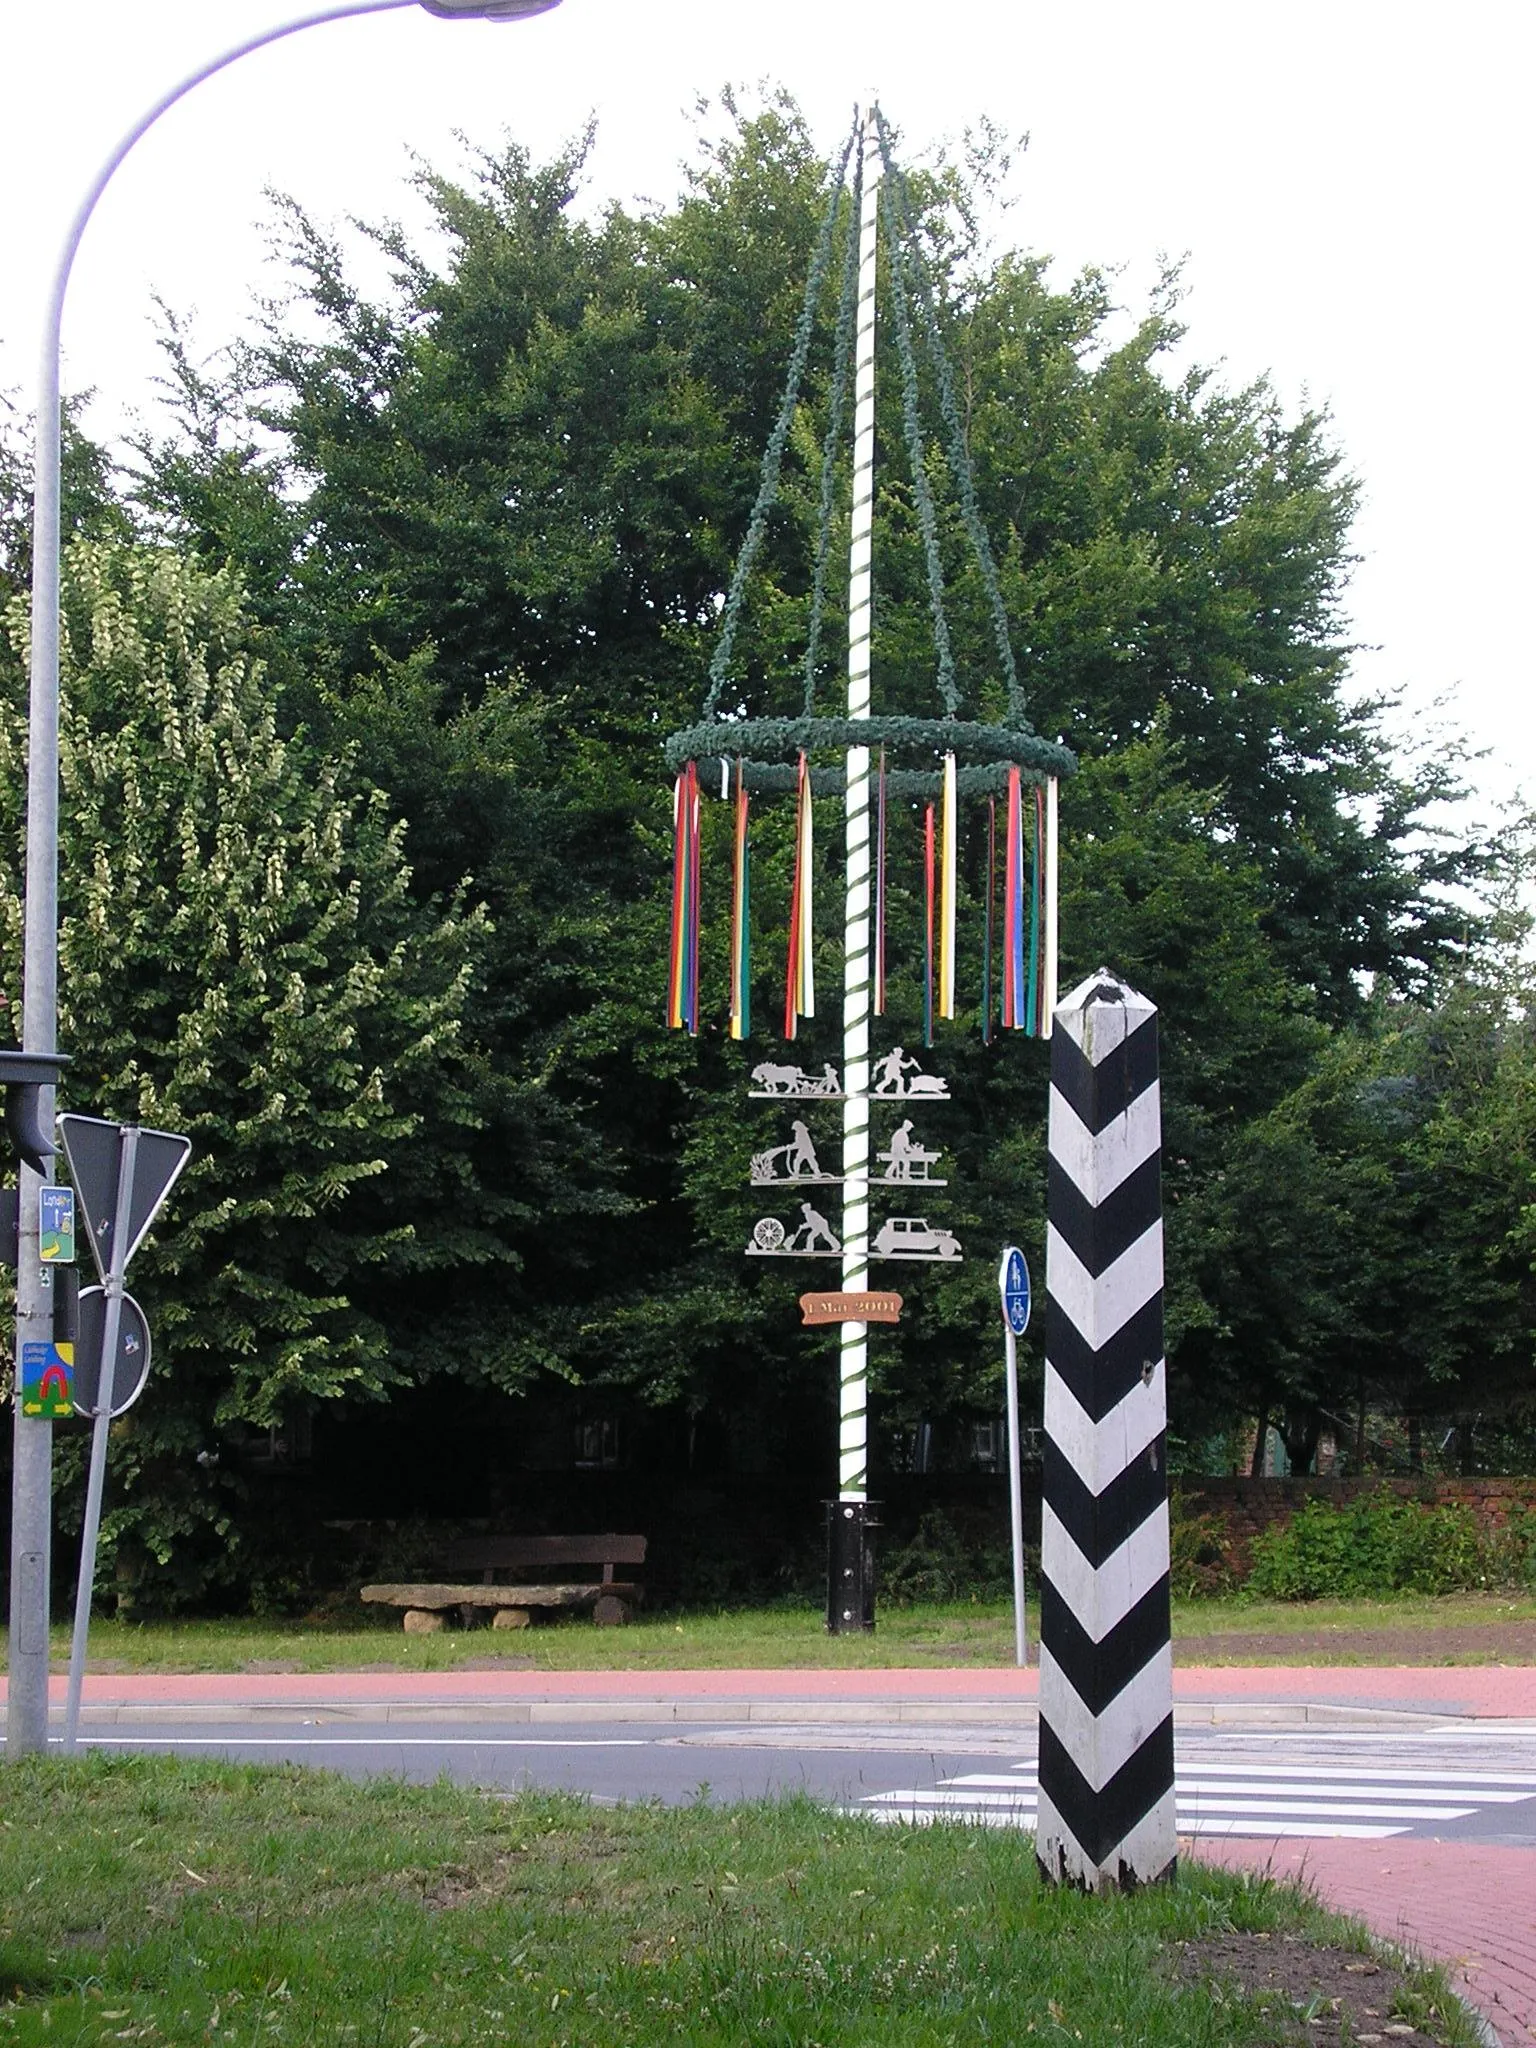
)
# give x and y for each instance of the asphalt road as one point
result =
(1462, 1782)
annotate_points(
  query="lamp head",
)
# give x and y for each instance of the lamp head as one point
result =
(489, 10)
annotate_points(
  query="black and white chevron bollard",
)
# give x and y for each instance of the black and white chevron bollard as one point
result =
(1106, 1812)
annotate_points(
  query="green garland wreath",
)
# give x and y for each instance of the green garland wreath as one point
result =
(769, 749)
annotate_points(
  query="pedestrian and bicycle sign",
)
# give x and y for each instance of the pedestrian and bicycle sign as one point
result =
(1013, 1287)
(1013, 1281)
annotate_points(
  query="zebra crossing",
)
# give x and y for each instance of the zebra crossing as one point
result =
(1241, 1797)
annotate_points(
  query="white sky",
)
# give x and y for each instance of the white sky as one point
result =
(1350, 180)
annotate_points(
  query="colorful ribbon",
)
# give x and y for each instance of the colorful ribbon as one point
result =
(880, 890)
(800, 989)
(683, 959)
(1049, 897)
(986, 954)
(1028, 967)
(947, 852)
(928, 947)
(1014, 997)
(741, 925)
(1033, 987)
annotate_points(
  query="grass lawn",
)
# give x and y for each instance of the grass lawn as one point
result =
(144, 1899)
(1458, 1628)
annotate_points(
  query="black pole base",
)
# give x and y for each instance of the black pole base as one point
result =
(850, 1565)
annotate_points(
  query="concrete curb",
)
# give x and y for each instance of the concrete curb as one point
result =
(808, 1711)
(1482, 2026)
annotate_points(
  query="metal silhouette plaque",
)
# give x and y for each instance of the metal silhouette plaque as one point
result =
(897, 1074)
(775, 1080)
(811, 1238)
(784, 1165)
(914, 1237)
(907, 1163)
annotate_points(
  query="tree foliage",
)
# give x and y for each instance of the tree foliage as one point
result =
(241, 959)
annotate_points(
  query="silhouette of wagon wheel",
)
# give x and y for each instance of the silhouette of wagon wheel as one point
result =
(768, 1234)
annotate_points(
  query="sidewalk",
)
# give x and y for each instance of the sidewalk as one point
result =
(1229, 1694)
(1469, 1905)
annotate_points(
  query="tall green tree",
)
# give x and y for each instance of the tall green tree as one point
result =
(241, 959)
(91, 501)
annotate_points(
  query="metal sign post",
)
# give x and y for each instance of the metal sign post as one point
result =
(1013, 1286)
(146, 1164)
(112, 1285)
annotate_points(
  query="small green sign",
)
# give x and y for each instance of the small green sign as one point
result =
(56, 1226)
(47, 1381)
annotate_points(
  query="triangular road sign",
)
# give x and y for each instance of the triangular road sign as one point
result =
(161, 1156)
(92, 1147)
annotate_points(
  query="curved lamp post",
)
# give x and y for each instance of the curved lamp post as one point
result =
(32, 1483)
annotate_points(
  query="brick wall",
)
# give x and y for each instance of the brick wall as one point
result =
(1243, 1507)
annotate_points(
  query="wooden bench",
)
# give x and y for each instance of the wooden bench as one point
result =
(511, 1604)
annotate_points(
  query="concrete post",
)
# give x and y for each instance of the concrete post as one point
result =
(1106, 1813)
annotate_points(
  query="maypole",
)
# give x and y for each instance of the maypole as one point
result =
(850, 1587)
(853, 1442)
(748, 740)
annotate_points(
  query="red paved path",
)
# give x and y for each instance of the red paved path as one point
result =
(1496, 1691)
(1469, 1905)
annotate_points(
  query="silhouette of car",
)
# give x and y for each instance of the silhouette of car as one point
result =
(910, 1237)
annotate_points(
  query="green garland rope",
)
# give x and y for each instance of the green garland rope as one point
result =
(912, 427)
(959, 451)
(768, 485)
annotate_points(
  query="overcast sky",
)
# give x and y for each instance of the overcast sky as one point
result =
(1349, 180)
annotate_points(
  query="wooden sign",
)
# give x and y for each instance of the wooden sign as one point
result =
(843, 1307)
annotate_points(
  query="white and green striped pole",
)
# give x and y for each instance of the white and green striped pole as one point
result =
(848, 1598)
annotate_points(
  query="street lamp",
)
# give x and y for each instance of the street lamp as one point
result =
(32, 1480)
(490, 10)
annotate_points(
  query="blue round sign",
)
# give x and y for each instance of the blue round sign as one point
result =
(1014, 1283)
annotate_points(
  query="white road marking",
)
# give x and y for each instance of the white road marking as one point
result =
(1294, 1830)
(1305, 1799)
(1289, 1771)
(1349, 1809)
(1319, 1784)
